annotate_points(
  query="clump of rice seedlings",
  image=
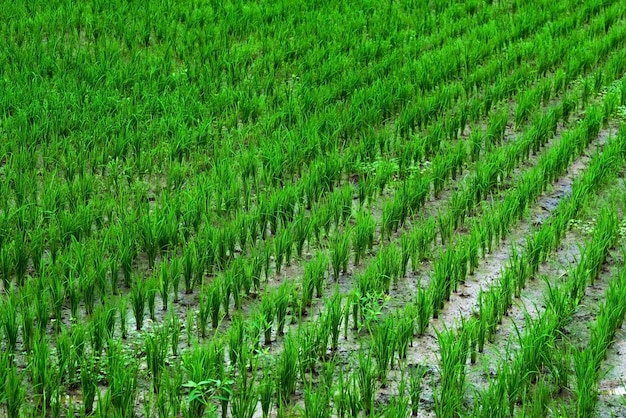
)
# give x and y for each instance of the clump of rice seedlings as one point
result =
(340, 390)
(204, 305)
(416, 380)
(20, 258)
(309, 345)
(14, 392)
(267, 315)
(174, 329)
(41, 371)
(238, 283)
(123, 309)
(476, 143)
(189, 326)
(138, 296)
(399, 405)
(88, 383)
(453, 356)
(363, 234)
(316, 401)
(236, 335)
(254, 329)
(245, 394)
(97, 331)
(386, 268)
(340, 253)
(87, 285)
(300, 231)
(42, 306)
(114, 270)
(155, 344)
(64, 355)
(225, 284)
(127, 251)
(407, 249)
(122, 378)
(423, 236)
(383, 344)
(390, 219)
(281, 304)
(164, 284)
(6, 265)
(57, 291)
(8, 316)
(365, 190)
(405, 325)
(283, 245)
(267, 388)
(313, 277)
(73, 292)
(190, 258)
(27, 323)
(206, 374)
(174, 275)
(148, 234)
(151, 291)
(285, 367)
(423, 309)
(333, 317)
(353, 305)
(210, 304)
(366, 381)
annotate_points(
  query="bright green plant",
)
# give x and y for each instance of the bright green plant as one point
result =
(340, 253)
(138, 296)
(366, 380)
(155, 344)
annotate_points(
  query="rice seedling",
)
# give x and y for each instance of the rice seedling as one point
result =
(340, 254)
(189, 320)
(363, 234)
(245, 395)
(416, 378)
(300, 231)
(155, 344)
(87, 286)
(453, 351)
(405, 326)
(383, 346)
(281, 304)
(88, 382)
(41, 371)
(366, 381)
(266, 393)
(14, 392)
(285, 367)
(313, 277)
(204, 306)
(152, 287)
(334, 316)
(267, 314)
(189, 257)
(207, 360)
(316, 402)
(164, 285)
(399, 407)
(225, 285)
(97, 331)
(138, 296)
(8, 308)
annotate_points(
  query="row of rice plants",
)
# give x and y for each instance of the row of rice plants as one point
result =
(525, 367)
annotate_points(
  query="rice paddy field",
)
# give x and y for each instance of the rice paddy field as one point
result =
(290, 208)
